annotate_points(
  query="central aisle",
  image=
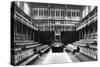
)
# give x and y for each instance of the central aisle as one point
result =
(53, 58)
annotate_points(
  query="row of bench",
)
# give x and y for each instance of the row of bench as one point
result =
(20, 56)
(70, 48)
(88, 47)
(91, 36)
(24, 50)
(89, 52)
(19, 36)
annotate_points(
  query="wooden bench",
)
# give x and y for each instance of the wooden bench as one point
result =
(30, 59)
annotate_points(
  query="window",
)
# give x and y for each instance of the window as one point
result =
(62, 13)
(45, 12)
(52, 13)
(68, 13)
(40, 12)
(78, 14)
(26, 9)
(35, 12)
(57, 13)
(73, 13)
